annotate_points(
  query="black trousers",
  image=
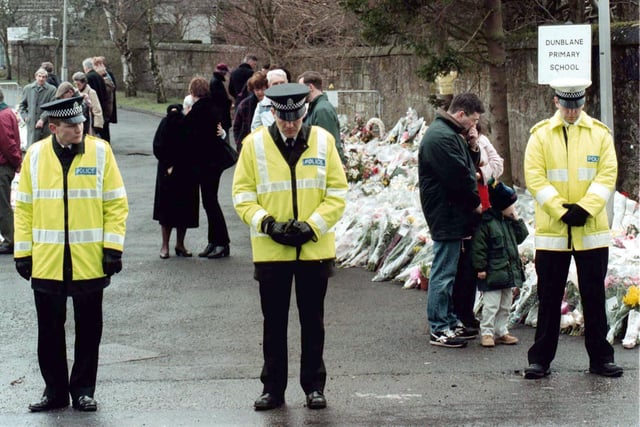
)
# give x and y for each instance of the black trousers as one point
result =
(52, 349)
(552, 269)
(275, 294)
(464, 288)
(106, 132)
(209, 178)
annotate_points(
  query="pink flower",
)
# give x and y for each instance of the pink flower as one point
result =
(415, 273)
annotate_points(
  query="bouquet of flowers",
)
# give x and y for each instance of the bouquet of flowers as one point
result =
(622, 297)
(632, 300)
(571, 319)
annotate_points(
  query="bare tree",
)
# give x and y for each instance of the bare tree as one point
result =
(8, 18)
(161, 96)
(121, 19)
(279, 27)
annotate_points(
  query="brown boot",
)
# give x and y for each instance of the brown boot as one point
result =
(487, 341)
(507, 339)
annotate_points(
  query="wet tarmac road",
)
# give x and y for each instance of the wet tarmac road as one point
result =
(182, 344)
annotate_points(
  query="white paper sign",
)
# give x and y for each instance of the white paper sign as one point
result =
(17, 33)
(564, 51)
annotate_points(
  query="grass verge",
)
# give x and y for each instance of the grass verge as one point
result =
(145, 101)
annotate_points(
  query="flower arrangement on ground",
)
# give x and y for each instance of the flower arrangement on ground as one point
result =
(632, 300)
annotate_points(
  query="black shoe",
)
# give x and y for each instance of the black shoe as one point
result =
(6, 248)
(446, 338)
(268, 401)
(85, 404)
(535, 371)
(48, 404)
(465, 333)
(210, 247)
(316, 400)
(183, 252)
(471, 323)
(608, 369)
(219, 252)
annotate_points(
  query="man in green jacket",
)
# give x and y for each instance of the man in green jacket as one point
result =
(320, 111)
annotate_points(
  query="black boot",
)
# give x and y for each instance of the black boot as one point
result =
(219, 252)
(210, 247)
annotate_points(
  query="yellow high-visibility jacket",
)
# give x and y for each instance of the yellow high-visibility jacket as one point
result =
(263, 184)
(96, 209)
(582, 170)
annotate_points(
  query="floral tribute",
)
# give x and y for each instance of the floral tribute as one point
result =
(384, 230)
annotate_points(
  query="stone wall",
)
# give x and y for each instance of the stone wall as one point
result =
(383, 81)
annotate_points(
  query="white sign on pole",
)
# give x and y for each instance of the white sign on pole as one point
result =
(564, 51)
(17, 33)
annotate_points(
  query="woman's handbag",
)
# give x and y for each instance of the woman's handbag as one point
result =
(229, 156)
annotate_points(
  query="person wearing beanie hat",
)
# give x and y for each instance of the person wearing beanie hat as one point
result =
(496, 260)
(289, 186)
(570, 169)
(501, 196)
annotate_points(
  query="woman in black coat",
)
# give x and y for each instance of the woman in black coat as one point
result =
(202, 126)
(177, 202)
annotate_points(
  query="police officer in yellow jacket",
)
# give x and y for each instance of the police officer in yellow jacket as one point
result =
(289, 187)
(571, 169)
(71, 209)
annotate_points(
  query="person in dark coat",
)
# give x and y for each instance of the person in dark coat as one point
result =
(320, 111)
(451, 206)
(202, 130)
(176, 202)
(96, 82)
(101, 68)
(52, 79)
(219, 95)
(239, 78)
(256, 85)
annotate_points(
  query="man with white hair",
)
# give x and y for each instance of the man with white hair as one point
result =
(263, 116)
(33, 96)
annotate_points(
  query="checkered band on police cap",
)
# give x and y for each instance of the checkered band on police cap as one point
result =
(570, 91)
(288, 100)
(68, 109)
(290, 104)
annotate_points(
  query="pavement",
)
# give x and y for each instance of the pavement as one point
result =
(182, 344)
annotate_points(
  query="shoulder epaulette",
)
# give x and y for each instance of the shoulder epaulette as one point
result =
(539, 125)
(598, 123)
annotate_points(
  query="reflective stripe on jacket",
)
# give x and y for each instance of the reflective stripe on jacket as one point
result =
(97, 210)
(582, 170)
(263, 184)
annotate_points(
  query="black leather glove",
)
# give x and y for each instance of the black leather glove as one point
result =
(267, 224)
(298, 233)
(576, 216)
(111, 261)
(276, 230)
(23, 266)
